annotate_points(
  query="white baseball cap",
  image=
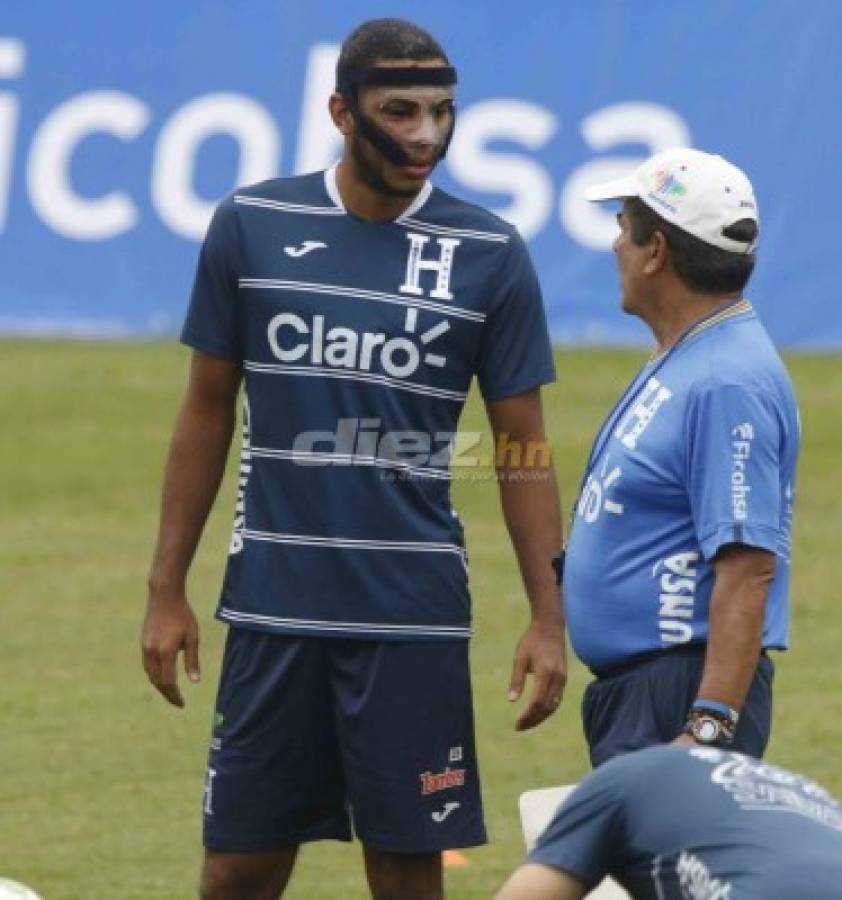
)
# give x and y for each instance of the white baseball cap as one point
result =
(701, 193)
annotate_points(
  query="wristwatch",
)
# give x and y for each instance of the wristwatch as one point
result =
(711, 725)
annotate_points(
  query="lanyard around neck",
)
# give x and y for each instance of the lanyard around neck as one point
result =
(727, 311)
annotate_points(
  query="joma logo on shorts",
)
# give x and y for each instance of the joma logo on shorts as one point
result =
(431, 782)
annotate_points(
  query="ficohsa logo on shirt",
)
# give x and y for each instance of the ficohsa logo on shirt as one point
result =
(742, 436)
(294, 339)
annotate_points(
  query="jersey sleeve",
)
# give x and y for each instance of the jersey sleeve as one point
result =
(585, 838)
(213, 318)
(515, 352)
(734, 468)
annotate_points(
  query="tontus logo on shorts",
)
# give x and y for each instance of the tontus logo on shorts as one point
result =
(433, 782)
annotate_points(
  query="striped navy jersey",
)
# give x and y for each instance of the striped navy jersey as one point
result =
(358, 341)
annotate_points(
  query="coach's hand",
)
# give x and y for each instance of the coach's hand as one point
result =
(542, 652)
(169, 628)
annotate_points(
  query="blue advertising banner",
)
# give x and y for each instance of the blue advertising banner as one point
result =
(123, 123)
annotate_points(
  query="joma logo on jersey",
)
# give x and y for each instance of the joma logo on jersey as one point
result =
(293, 338)
(432, 782)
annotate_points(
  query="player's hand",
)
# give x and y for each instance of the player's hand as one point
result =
(170, 627)
(542, 652)
(684, 740)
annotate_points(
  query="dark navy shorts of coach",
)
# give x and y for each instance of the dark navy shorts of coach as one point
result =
(645, 702)
(314, 736)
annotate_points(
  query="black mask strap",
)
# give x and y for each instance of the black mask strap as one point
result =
(352, 79)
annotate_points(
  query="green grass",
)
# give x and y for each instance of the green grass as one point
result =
(100, 781)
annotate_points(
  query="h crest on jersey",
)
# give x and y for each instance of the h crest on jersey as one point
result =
(416, 263)
(643, 411)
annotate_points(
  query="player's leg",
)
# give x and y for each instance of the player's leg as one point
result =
(405, 725)
(404, 876)
(258, 876)
(274, 775)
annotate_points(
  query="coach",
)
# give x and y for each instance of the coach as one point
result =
(678, 563)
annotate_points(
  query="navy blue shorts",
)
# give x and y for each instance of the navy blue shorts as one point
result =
(313, 736)
(646, 703)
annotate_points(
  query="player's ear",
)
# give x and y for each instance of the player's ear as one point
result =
(341, 115)
(658, 254)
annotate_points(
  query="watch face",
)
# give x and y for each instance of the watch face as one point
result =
(706, 730)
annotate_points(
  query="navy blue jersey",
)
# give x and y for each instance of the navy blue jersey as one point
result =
(670, 824)
(699, 452)
(359, 341)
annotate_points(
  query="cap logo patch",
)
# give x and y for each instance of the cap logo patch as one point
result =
(667, 184)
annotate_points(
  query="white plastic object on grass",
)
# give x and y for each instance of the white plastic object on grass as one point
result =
(537, 809)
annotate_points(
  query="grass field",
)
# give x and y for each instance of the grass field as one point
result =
(100, 781)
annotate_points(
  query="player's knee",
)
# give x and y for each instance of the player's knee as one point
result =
(223, 881)
(235, 876)
(404, 876)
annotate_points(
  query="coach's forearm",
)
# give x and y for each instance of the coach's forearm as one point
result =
(738, 603)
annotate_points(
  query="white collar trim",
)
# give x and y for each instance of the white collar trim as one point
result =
(333, 192)
(331, 188)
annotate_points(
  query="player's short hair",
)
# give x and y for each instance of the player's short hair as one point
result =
(380, 39)
(700, 266)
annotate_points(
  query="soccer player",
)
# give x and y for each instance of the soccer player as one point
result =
(357, 304)
(677, 568)
(671, 823)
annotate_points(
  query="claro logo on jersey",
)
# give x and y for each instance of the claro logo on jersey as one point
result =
(293, 338)
(677, 596)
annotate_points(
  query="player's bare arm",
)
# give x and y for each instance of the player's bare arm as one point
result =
(194, 470)
(536, 882)
(532, 513)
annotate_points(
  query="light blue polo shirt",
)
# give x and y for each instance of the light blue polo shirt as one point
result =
(699, 452)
